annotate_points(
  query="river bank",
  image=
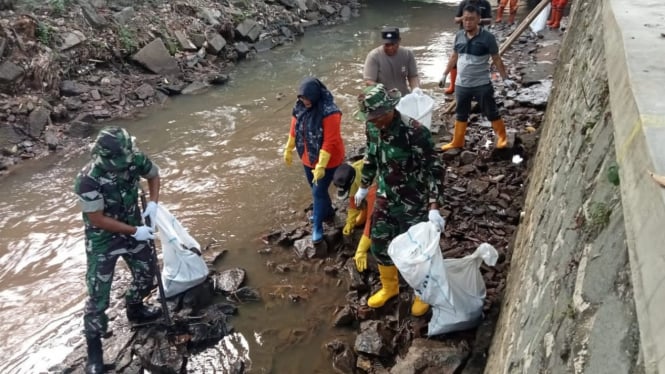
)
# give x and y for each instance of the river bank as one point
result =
(65, 68)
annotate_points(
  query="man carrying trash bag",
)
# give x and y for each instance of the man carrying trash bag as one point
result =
(108, 194)
(409, 175)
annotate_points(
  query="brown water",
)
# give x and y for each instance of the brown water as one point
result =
(223, 177)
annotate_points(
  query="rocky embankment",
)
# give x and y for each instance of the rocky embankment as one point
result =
(68, 65)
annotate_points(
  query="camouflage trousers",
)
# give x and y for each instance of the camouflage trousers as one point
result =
(99, 276)
(390, 219)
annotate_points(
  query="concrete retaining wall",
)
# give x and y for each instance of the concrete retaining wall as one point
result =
(589, 258)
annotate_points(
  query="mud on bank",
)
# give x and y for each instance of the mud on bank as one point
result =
(66, 66)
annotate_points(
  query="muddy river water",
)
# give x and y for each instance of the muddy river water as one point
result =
(223, 177)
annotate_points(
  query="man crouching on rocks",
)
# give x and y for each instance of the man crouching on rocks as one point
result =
(410, 183)
(108, 191)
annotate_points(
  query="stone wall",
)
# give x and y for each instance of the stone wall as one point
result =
(569, 304)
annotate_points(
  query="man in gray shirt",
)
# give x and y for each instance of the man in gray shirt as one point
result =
(391, 65)
(473, 48)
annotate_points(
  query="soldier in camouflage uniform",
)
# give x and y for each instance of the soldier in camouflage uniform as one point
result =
(410, 182)
(108, 191)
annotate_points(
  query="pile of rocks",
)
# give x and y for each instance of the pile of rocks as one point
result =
(65, 67)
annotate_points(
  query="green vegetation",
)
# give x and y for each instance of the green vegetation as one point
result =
(58, 7)
(44, 33)
(599, 217)
(127, 39)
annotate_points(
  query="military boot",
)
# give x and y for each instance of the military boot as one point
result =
(95, 364)
(139, 312)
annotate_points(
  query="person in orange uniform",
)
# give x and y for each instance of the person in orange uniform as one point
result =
(316, 135)
(347, 180)
(557, 12)
(512, 11)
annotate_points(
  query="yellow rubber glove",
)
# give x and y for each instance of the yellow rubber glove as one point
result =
(320, 168)
(351, 217)
(288, 150)
(361, 253)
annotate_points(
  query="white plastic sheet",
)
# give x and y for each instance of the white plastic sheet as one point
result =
(183, 268)
(454, 287)
(418, 106)
(538, 24)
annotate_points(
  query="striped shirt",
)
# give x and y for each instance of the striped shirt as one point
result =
(473, 60)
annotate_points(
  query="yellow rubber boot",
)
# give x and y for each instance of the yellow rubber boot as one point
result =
(389, 287)
(419, 307)
(500, 131)
(458, 136)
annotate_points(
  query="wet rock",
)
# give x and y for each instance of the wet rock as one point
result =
(425, 356)
(9, 137)
(210, 330)
(535, 95)
(145, 91)
(343, 357)
(242, 49)
(331, 270)
(72, 88)
(355, 279)
(283, 268)
(328, 10)
(305, 248)
(156, 58)
(79, 129)
(374, 339)
(345, 13)
(71, 39)
(249, 30)
(467, 157)
(215, 43)
(37, 121)
(245, 294)
(194, 87)
(229, 280)
(343, 316)
(264, 45)
(478, 187)
(10, 72)
(218, 79)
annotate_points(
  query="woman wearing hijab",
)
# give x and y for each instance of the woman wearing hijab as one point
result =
(316, 135)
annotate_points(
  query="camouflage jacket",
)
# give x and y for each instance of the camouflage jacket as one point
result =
(116, 194)
(403, 157)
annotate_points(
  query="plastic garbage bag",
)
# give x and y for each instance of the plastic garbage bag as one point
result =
(417, 105)
(184, 268)
(453, 287)
(538, 24)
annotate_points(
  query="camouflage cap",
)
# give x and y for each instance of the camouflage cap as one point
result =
(113, 149)
(376, 101)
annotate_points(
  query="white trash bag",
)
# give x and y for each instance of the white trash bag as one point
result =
(183, 268)
(454, 288)
(417, 105)
(539, 23)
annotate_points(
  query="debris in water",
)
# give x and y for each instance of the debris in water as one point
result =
(517, 159)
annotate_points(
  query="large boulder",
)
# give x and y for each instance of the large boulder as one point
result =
(156, 58)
